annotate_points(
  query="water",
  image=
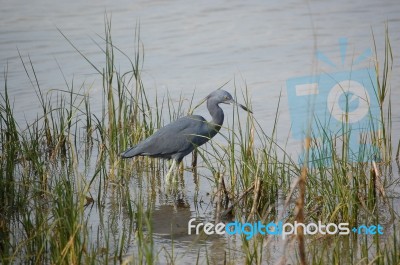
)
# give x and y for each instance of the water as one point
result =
(195, 47)
(191, 47)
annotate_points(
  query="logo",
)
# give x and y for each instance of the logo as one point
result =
(249, 230)
(336, 105)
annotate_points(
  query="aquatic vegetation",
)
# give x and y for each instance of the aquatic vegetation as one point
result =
(68, 198)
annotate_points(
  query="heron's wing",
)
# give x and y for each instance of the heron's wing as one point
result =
(176, 137)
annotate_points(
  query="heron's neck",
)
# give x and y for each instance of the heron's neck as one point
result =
(217, 117)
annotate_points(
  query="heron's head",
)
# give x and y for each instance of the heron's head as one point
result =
(221, 96)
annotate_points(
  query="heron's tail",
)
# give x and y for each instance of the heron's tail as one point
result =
(131, 152)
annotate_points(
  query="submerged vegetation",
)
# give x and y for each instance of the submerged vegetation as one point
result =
(63, 168)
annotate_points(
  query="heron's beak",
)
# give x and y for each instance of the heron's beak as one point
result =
(240, 105)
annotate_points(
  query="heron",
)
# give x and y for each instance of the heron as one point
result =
(179, 138)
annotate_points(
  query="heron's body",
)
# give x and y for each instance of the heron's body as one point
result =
(181, 137)
(175, 140)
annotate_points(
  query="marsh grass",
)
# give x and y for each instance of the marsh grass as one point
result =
(331, 186)
(63, 167)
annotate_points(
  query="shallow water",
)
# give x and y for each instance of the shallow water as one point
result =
(195, 48)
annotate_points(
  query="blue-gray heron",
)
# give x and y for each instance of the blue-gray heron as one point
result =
(181, 137)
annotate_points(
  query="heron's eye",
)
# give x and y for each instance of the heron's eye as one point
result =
(226, 97)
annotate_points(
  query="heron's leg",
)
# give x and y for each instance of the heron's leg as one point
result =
(170, 171)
